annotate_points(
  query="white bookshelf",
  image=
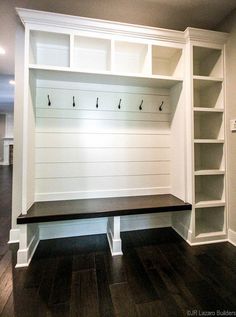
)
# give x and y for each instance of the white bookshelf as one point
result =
(209, 143)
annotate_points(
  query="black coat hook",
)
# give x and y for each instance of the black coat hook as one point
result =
(97, 103)
(73, 101)
(161, 106)
(49, 101)
(119, 105)
(140, 106)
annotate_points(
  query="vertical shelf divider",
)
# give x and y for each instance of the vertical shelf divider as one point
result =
(72, 46)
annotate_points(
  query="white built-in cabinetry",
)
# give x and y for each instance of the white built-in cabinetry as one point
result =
(115, 110)
(209, 146)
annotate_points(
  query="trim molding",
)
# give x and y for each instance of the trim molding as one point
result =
(58, 20)
(14, 236)
(183, 231)
(232, 237)
(24, 256)
(114, 244)
(194, 34)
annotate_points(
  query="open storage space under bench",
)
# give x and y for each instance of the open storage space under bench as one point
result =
(101, 207)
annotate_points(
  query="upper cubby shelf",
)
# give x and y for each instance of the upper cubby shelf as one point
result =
(130, 58)
(167, 61)
(92, 53)
(101, 58)
(207, 62)
(49, 49)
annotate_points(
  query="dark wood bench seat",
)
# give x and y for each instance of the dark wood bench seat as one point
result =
(101, 207)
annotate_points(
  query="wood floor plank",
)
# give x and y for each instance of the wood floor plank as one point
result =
(8, 310)
(61, 289)
(47, 281)
(5, 287)
(154, 259)
(139, 282)
(206, 271)
(122, 300)
(27, 302)
(83, 262)
(106, 308)
(115, 268)
(84, 301)
(5, 262)
(152, 309)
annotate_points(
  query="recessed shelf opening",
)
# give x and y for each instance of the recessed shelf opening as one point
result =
(209, 188)
(209, 221)
(208, 95)
(207, 62)
(166, 61)
(92, 53)
(131, 57)
(208, 125)
(49, 49)
(209, 156)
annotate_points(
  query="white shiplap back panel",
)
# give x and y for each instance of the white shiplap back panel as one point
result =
(82, 149)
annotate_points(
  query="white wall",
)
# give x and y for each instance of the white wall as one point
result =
(2, 134)
(9, 125)
(229, 25)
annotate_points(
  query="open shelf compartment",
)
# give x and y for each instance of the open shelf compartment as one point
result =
(49, 49)
(131, 58)
(209, 221)
(209, 189)
(209, 157)
(208, 125)
(207, 62)
(208, 94)
(92, 53)
(167, 61)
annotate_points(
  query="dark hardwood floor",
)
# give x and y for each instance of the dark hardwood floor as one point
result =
(158, 275)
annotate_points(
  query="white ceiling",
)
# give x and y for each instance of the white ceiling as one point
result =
(171, 14)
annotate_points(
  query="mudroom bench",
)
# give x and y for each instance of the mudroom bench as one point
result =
(114, 208)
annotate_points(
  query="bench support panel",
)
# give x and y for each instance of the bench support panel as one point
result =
(113, 235)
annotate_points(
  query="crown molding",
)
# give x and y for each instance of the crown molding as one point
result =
(202, 35)
(57, 20)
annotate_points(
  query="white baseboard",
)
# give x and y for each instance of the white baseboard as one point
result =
(24, 256)
(183, 231)
(102, 193)
(232, 237)
(14, 236)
